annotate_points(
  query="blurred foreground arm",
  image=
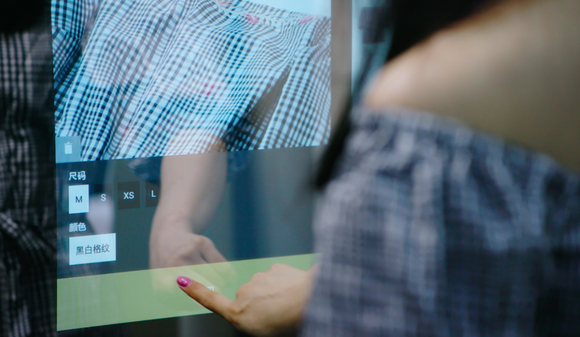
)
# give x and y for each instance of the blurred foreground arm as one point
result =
(513, 71)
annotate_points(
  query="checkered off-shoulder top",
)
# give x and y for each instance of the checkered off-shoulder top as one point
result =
(432, 229)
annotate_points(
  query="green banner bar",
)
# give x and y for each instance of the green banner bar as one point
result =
(152, 294)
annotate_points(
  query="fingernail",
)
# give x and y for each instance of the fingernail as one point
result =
(183, 281)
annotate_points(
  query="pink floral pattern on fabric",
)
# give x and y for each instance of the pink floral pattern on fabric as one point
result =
(225, 3)
(252, 18)
(308, 19)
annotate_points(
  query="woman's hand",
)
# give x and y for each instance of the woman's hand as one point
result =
(191, 190)
(271, 304)
(174, 245)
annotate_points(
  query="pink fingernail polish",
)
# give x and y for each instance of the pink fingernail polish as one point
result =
(183, 281)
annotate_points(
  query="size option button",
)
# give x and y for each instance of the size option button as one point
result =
(92, 249)
(129, 195)
(78, 199)
(152, 190)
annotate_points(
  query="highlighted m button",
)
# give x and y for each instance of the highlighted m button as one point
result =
(78, 199)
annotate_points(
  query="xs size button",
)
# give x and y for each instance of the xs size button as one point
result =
(128, 195)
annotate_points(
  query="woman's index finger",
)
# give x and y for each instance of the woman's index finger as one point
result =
(210, 299)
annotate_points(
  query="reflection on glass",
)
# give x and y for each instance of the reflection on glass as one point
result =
(157, 106)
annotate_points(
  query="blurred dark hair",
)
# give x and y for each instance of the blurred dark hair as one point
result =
(20, 15)
(411, 21)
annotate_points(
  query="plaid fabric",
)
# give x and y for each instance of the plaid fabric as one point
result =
(27, 189)
(27, 205)
(431, 229)
(155, 78)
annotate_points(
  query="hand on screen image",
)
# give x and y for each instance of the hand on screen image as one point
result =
(271, 304)
(175, 246)
(191, 189)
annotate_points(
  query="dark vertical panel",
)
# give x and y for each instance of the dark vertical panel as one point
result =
(341, 63)
(246, 241)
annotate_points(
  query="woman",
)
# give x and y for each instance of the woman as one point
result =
(428, 227)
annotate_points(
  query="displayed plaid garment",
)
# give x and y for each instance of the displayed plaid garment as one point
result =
(431, 229)
(169, 77)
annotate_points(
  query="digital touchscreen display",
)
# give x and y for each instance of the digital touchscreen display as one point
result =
(159, 108)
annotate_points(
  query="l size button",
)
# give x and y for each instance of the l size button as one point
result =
(152, 193)
(128, 195)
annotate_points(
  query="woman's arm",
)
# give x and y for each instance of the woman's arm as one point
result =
(191, 189)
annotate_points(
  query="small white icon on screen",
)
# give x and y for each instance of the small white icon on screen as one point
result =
(68, 148)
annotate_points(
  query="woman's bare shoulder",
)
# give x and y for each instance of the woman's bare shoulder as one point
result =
(512, 71)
